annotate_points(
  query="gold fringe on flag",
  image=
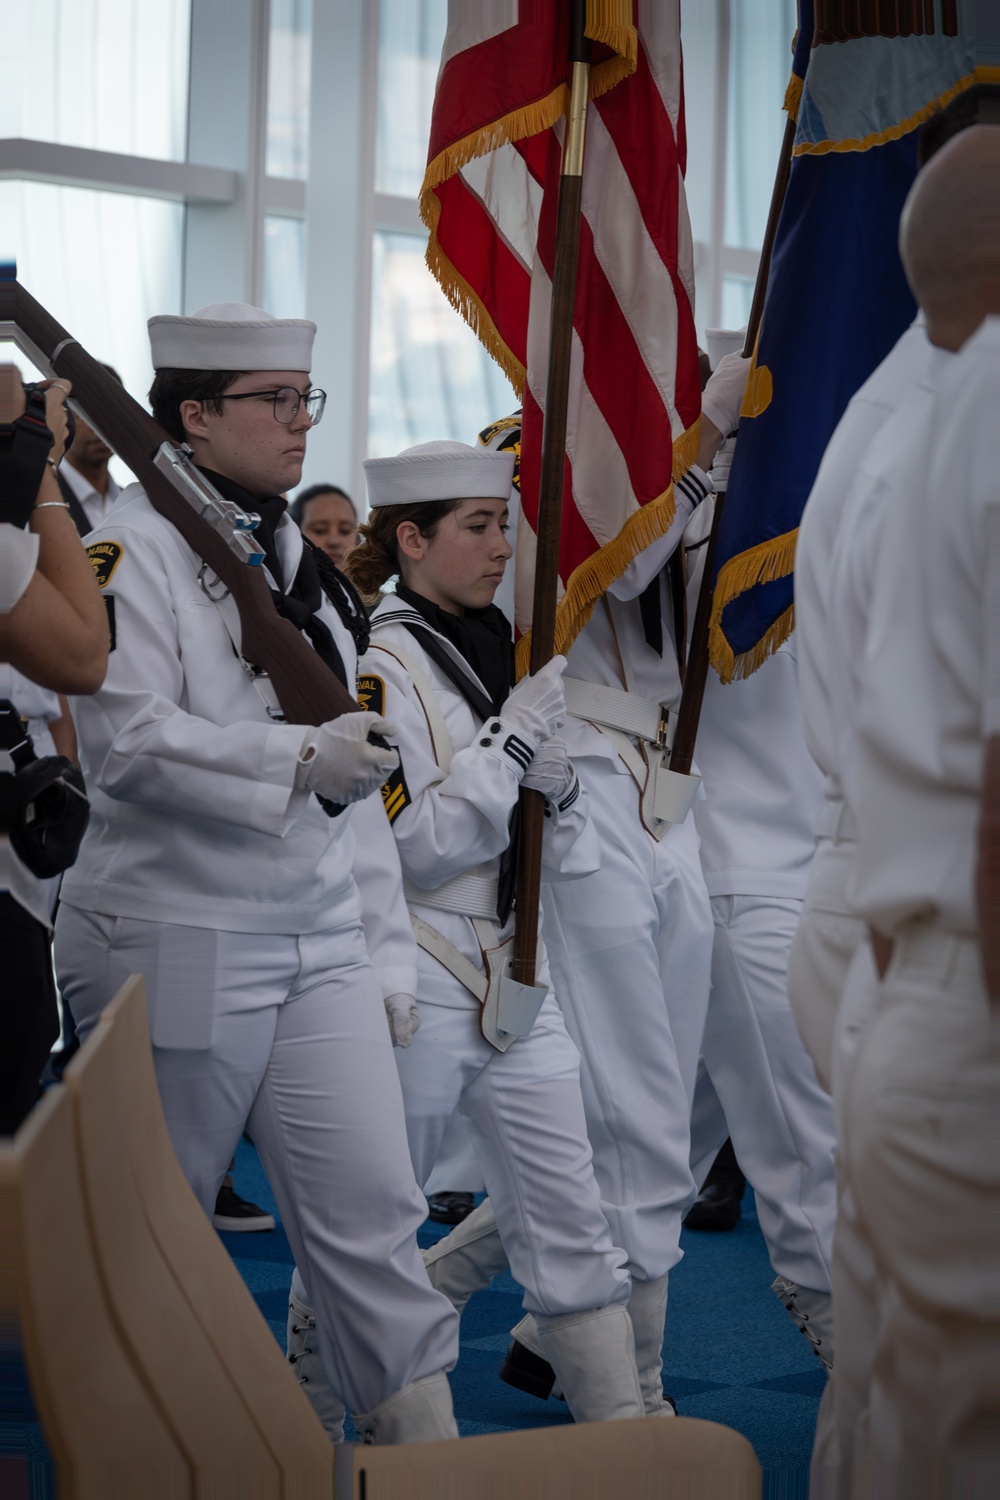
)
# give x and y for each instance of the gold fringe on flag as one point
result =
(597, 573)
(468, 303)
(744, 665)
(610, 22)
(793, 96)
(765, 563)
(893, 132)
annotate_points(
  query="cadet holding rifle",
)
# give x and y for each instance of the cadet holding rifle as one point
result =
(220, 864)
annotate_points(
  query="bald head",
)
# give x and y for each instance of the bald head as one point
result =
(949, 235)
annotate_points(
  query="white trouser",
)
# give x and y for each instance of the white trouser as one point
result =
(922, 1121)
(757, 1070)
(525, 1119)
(857, 1299)
(829, 933)
(287, 1035)
(457, 1168)
(630, 950)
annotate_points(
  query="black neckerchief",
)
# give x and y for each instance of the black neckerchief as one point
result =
(484, 639)
(301, 603)
(482, 636)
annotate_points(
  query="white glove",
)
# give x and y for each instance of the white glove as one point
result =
(719, 473)
(551, 771)
(537, 705)
(723, 395)
(337, 761)
(404, 1019)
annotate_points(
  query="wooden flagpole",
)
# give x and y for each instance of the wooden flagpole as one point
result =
(696, 676)
(543, 610)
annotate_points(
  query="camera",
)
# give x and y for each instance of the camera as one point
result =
(34, 403)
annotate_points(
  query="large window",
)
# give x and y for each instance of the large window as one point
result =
(430, 376)
(111, 75)
(163, 156)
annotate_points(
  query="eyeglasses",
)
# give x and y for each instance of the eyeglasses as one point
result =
(287, 401)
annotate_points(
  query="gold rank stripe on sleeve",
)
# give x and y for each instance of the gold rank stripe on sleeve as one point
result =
(395, 794)
(104, 559)
(371, 693)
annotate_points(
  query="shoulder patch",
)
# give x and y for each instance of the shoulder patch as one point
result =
(395, 794)
(508, 430)
(104, 559)
(371, 693)
(505, 424)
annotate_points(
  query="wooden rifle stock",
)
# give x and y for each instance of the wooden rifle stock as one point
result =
(307, 690)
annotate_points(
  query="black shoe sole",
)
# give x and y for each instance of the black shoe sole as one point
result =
(527, 1372)
(450, 1208)
(716, 1217)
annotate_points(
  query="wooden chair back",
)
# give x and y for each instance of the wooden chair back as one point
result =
(643, 1458)
(213, 1288)
(193, 1390)
(105, 1431)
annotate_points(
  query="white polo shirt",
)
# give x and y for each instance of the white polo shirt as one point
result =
(930, 681)
(866, 413)
(890, 468)
(95, 505)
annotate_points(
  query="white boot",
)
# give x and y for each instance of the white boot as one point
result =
(302, 1349)
(812, 1314)
(468, 1258)
(593, 1356)
(648, 1310)
(531, 1371)
(419, 1413)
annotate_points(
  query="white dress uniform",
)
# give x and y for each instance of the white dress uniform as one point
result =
(922, 1114)
(829, 932)
(522, 1106)
(630, 946)
(233, 893)
(757, 1083)
(633, 941)
(888, 468)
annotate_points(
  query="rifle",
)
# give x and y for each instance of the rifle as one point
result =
(215, 529)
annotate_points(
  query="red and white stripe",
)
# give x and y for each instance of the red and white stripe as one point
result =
(634, 383)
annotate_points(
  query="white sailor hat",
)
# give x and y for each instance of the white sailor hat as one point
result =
(438, 471)
(231, 336)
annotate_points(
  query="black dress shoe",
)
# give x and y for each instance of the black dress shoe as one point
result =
(237, 1215)
(529, 1372)
(450, 1208)
(717, 1206)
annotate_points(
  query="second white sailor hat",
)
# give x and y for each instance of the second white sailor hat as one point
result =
(231, 336)
(438, 471)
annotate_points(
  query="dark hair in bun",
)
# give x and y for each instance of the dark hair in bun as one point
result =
(375, 559)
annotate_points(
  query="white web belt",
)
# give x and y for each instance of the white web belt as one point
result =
(612, 708)
(469, 895)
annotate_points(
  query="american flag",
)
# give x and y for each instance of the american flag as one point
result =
(489, 202)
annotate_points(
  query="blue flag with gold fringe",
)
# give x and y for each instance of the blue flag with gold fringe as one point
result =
(865, 76)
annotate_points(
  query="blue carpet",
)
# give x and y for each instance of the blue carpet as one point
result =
(731, 1353)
